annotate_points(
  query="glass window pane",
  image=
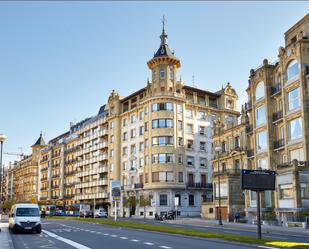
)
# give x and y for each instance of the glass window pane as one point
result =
(292, 70)
(162, 158)
(154, 124)
(260, 116)
(296, 129)
(169, 123)
(262, 140)
(161, 140)
(259, 91)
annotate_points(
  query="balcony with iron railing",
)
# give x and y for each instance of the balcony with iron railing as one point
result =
(249, 128)
(70, 150)
(227, 172)
(201, 102)
(213, 105)
(138, 185)
(199, 185)
(56, 165)
(205, 199)
(71, 172)
(250, 153)
(44, 188)
(44, 160)
(43, 198)
(44, 179)
(277, 116)
(55, 176)
(68, 196)
(278, 144)
(69, 184)
(70, 161)
(44, 169)
(55, 186)
(221, 198)
(55, 197)
(55, 155)
(275, 89)
(248, 105)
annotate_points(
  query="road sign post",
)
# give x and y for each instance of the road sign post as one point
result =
(258, 180)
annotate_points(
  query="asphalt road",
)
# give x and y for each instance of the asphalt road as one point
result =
(74, 234)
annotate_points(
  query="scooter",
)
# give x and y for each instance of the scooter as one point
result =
(159, 217)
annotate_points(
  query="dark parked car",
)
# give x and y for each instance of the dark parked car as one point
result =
(88, 214)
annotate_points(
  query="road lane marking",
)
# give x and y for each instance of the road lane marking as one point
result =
(70, 242)
(98, 232)
(114, 236)
(123, 238)
(166, 247)
(231, 232)
(148, 243)
(105, 234)
(134, 240)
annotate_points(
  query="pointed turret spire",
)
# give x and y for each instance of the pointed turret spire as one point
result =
(164, 36)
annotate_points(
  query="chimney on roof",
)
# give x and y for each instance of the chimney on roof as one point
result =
(71, 124)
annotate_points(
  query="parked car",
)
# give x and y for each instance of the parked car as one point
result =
(88, 214)
(100, 213)
(25, 217)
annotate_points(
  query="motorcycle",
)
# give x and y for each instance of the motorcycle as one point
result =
(159, 217)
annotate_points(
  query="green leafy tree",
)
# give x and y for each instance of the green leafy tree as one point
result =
(130, 202)
(144, 201)
(7, 205)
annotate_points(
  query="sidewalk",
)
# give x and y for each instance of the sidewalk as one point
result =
(5, 236)
(241, 226)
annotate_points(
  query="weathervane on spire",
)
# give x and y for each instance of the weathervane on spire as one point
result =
(163, 21)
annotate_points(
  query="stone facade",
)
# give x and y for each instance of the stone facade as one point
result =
(231, 137)
(23, 176)
(278, 129)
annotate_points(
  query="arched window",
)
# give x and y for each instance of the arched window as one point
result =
(162, 73)
(259, 91)
(171, 74)
(292, 69)
(155, 75)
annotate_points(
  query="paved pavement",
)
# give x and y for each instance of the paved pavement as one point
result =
(242, 226)
(5, 236)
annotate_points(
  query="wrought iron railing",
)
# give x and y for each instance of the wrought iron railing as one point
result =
(248, 105)
(278, 144)
(250, 153)
(275, 89)
(249, 128)
(199, 185)
(277, 116)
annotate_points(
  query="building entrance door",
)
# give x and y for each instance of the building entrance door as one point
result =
(223, 213)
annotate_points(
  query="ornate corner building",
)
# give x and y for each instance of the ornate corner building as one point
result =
(159, 137)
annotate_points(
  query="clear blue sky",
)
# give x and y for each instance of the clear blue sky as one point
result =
(59, 61)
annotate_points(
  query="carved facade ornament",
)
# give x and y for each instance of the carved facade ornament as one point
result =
(292, 86)
(289, 53)
(294, 116)
(258, 75)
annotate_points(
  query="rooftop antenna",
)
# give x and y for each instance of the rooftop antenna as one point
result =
(193, 83)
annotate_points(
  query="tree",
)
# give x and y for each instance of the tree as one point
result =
(130, 202)
(7, 205)
(143, 202)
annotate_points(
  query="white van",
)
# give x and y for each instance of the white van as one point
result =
(25, 217)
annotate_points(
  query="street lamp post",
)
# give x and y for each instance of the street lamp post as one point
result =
(218, 149)
(2, 139)
(123, 215)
